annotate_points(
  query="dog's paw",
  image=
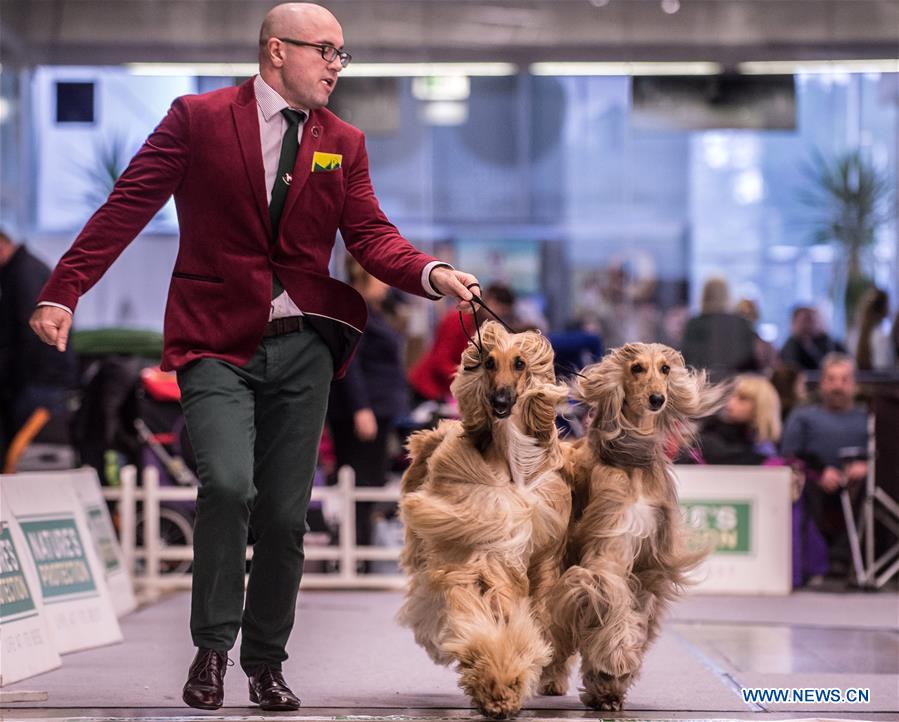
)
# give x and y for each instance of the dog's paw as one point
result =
(551, 687)
(500, 708)
(607, 701)
(604, 692)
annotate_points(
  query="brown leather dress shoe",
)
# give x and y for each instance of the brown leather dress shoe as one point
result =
(269, 690)
(205, 686)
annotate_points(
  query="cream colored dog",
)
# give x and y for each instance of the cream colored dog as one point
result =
(627, 544)
(485, 509)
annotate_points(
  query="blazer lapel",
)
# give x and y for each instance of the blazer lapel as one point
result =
(302, 169)
(246, 121)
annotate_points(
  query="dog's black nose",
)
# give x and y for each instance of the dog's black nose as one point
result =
(502, 402)
(656, 401)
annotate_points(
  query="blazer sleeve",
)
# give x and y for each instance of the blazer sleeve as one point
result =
(147, 183)
(372, 239)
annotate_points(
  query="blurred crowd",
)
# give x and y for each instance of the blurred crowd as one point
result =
(397, 384)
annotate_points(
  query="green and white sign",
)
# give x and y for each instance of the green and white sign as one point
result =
(27, 647)
(743, 515)
(726, 526)
(59, 555)
(87, 488)
(15, 596)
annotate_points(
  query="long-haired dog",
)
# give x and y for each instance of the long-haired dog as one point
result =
(485, 509)
(628, 553)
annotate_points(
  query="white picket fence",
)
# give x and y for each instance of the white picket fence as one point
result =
(147, 560)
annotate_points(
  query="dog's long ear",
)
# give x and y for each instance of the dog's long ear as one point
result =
(691, 396)
(470, 386)
(600, 387)
(539, 355)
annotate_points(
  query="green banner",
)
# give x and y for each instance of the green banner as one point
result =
(724, 525)
(15, 596)
(59, 556)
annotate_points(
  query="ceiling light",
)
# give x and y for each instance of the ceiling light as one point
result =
(423, 70)
(236, 70)
(818, 67)
(641, 68)
(671, 6)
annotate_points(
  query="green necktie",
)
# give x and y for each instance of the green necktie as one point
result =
(289, 147)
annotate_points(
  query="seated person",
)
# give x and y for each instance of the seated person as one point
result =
(830, 438)
(747, 429)
(746, 433)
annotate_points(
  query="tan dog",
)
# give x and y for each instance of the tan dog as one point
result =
(486, 509)
(627, 545)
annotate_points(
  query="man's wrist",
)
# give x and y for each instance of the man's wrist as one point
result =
(426, 282)
(56, 305)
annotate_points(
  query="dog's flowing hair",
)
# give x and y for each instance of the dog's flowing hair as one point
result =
(485, 509)
(628, 556)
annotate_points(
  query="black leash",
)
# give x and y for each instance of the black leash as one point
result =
(476, 301)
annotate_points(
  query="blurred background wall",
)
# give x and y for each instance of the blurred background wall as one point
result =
(604, 157)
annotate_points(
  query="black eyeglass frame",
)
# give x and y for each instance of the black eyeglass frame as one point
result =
(324, 49)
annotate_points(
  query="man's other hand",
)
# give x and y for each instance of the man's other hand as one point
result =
(52, 325)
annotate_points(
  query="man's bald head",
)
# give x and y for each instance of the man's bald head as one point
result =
(289, 18)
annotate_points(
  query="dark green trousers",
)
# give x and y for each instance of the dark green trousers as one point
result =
(255, 431)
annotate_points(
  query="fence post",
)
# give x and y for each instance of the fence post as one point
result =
(128, 515)
(346, 483)
(151, 531)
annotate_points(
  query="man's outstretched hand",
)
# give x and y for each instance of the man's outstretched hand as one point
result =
(451, 282)
(52, 325)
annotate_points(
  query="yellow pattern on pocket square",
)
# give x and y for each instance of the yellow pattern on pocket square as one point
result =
(326, 161)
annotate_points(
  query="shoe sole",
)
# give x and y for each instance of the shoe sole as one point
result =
(273, 707)
(197, 705)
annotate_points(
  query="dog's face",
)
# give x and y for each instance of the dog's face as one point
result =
(505, 377)
(491, 380)
(646, 371)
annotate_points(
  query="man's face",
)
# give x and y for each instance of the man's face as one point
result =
(308, 79)
(838, 386)
(804, 323)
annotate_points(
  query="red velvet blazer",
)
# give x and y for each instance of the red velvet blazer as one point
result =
(207, 152)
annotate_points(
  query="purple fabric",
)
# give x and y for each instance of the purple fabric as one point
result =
(810, 555)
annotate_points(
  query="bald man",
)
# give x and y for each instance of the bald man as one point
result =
(263, 177)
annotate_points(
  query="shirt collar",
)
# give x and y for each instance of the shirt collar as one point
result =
(270, 102)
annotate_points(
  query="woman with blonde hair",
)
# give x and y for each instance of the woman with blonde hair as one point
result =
(748, 428)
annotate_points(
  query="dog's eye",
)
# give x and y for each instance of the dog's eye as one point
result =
(666, 369)
(637, 369)
(490, 363)
(519, 363)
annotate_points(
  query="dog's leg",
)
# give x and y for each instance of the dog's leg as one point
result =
(497, 644)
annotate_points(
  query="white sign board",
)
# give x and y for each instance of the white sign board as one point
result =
(118, 579)
(26, 646)
(76, 600)
(745, 512)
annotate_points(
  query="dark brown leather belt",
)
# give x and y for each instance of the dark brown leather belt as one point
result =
(280, 326)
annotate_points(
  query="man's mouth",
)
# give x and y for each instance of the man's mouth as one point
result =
(329, 82)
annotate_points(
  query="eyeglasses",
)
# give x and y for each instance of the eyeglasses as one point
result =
(329, 52)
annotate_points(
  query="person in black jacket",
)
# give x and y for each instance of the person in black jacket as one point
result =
(32, 374)
(364, 405)
(808, 343)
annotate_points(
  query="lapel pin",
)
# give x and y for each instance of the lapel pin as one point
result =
(287, 178)
(315, 131)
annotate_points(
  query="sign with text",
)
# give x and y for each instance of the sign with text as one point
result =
(69, 575)
(26, 646)
(743, 514)
(118, 579)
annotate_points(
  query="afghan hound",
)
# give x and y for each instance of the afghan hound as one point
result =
(485, 509)
(628, 556)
